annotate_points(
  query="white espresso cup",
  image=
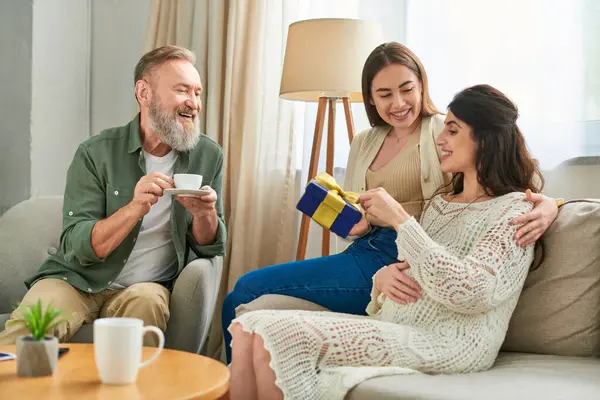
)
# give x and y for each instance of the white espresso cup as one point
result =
(187, 181)
(118, 348)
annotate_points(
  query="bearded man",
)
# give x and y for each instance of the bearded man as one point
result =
(124, 240)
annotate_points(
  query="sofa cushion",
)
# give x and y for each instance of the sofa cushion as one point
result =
(278, 302)
(29, 232)
(559, 309)
(514, 376)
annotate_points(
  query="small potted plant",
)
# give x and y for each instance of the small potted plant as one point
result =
(37, 354)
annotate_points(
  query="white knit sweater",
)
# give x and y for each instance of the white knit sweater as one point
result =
(471, 273)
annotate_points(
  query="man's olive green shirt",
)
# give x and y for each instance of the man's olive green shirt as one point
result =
(101, 180)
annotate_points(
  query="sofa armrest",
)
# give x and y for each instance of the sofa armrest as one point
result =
(193, 304)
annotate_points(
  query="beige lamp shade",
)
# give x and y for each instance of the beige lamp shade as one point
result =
(325, 58)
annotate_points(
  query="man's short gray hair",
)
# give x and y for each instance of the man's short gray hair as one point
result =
(158, 56)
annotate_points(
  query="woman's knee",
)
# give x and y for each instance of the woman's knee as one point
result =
(242, 341)
(236, 330)
(242, 292)
(248, 283)
(260, 354)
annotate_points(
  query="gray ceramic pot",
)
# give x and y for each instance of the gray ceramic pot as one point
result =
(36, 357)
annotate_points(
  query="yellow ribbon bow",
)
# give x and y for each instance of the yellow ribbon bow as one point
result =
(334, 202)
(329, 183)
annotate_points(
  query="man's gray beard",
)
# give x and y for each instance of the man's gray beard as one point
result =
(170, 131)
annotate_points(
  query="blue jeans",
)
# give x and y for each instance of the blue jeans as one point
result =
(341, 282)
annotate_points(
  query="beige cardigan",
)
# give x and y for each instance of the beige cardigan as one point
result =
(367, 143)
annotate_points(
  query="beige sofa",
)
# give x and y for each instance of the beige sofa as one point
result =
(551, 349)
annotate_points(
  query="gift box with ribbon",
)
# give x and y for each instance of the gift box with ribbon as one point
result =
(330, 206)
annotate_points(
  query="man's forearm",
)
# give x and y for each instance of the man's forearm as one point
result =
(204, 228)
(110, 232)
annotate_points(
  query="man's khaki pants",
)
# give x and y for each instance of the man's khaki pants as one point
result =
(147, 301)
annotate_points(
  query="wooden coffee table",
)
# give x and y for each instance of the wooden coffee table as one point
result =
(174, 375)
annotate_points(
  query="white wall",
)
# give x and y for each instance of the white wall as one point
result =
(66, 73)
(60, 90)
(15, 100)
(117, 36)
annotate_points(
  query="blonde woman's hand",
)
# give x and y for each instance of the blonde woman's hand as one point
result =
(534, 223)
(360, 228)
(392, 282)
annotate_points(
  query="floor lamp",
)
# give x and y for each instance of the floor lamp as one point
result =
(323, 62)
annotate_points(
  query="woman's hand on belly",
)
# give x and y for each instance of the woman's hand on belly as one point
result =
(394, 284)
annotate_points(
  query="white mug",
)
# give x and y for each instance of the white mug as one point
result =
(187, 181)
(118, 348)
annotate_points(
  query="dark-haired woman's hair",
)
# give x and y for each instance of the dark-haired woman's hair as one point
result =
(388, 54)
(503, 163)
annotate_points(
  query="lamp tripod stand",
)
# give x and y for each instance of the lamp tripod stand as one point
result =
(324, 104)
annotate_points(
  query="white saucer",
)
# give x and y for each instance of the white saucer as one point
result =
(188, 192)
